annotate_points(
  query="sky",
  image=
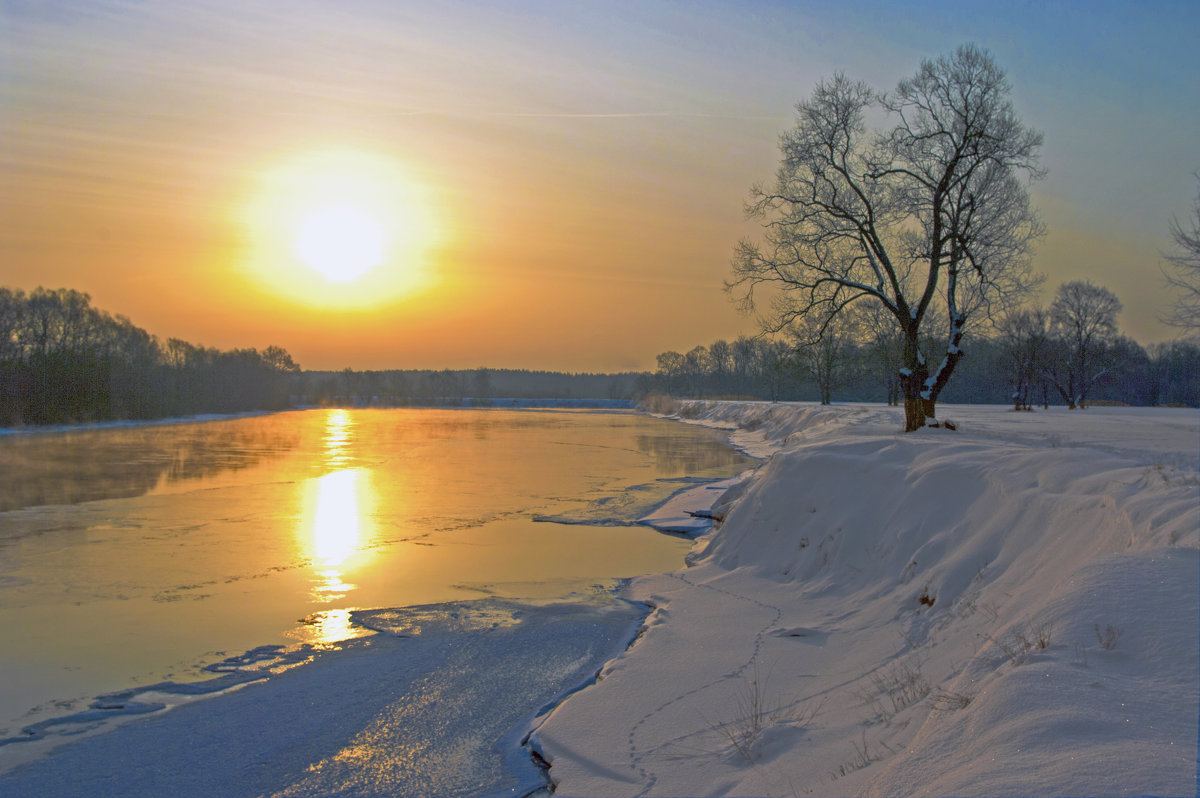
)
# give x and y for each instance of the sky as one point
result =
(542, 185)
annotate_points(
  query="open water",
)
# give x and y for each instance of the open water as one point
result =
(140, 554)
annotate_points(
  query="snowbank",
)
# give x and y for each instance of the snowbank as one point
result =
(1011, 608)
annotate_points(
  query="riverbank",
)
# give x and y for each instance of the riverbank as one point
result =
(1006, 609)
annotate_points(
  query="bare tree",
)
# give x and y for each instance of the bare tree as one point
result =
(696, 370)
(932, 211)
(882, 346)
(280, 360)
(1083, 319)
(1024, 338)
(670, 366)
(746, 356)
(825, 355)
(720, 361)
(1185, 265)
(12, 312)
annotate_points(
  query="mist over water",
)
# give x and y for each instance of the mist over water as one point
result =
(133, 555)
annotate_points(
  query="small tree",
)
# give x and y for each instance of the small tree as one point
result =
(670, 369)
(1185, 274)
(1024, 338)
(1083, 319)
(746, 356)
(882, 347)
(931, 211)
(825, 356)
(777, 364)
(696, 370)
(720, 363)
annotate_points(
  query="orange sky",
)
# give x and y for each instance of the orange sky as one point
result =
(570, 177)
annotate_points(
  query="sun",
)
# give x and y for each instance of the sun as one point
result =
(341, 241)
(339, 229)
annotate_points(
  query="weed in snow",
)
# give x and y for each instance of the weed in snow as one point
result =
(1022, 639)
(756, 714)
(1108, 637)
(894, 689)
(948, 700)
(862, 757)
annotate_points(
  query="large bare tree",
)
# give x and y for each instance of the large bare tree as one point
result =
(927, 213)
(1185, 270)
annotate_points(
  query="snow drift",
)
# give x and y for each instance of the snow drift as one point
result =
(1010, 608)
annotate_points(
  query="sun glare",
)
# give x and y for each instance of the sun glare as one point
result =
(341, 242)
(339, 229)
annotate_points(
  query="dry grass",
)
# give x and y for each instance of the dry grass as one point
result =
(862, 757)
(1022, 639)
(1108, 637)
(894, 689)
(949, 701)
(756, 713)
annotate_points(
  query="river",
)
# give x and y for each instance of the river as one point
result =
(137, 554)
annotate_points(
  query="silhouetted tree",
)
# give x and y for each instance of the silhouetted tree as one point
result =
(824, 355)
(1024, 338)
(1083, 320)
(1185, 269)
(1175, 373)
(61, 359)
(720, 364)
(882, 347)
(930, 210)
(670, 369)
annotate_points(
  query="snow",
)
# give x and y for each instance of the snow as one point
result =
(1006, 609)
(1009, 608)
(692, 512)
(436, 703)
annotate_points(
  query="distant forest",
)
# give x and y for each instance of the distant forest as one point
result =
(476, 387)
(1020, 370)
(64, 361)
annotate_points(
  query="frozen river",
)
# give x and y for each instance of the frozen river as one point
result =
(135, 555)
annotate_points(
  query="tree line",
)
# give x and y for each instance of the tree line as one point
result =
(62, 360)
(1068, 353)
(451, 387)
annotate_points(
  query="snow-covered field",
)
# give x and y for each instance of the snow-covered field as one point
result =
(1006, 609)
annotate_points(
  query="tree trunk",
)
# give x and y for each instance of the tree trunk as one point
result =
(914, 415)
(914, 404)
(912, 380)
(954, 353)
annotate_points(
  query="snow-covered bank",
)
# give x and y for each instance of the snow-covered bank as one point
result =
(1011, 608)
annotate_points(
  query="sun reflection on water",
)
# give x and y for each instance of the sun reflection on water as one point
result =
(336, 529)
(339, 437)
(329, 627)
(336, 522)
